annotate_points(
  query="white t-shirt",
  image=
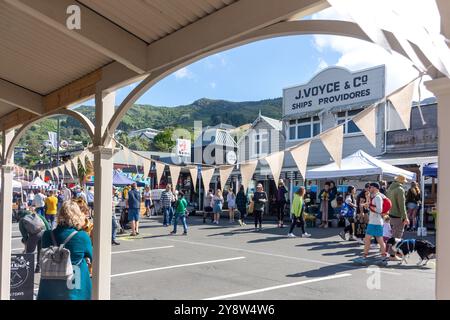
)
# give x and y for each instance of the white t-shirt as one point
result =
(376, 208)
(387, 230)
(147, 195)
(39, 200)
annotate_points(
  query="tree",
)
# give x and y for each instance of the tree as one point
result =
(163, 140)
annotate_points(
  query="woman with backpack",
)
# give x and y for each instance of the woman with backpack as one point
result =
(68, 231)
(349, 212)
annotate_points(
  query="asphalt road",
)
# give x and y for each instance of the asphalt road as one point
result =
(232, 262)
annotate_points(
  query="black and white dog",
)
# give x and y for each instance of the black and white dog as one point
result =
(425, 249)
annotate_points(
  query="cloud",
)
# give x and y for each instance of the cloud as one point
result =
(213, 85)
(322, 65)
(355, 54)
(184, 73)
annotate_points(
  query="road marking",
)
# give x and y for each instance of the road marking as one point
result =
(175, 266)
(145, 249)
(17, 249)
(279, 256)
(245, 293)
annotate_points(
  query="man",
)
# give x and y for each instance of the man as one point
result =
(166, 204)
(399, 218)
(67, 194)
(32, 227)
(281, 202)
(180, 213)
(134, 207)
(52, 208)
(90, 198)
(39, 202)
(375, 226)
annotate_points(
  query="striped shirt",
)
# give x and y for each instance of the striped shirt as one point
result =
(166, 199)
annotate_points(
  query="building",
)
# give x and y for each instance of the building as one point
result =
(147, 133)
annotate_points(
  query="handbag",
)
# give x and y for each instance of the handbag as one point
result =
(334, 203)
(251, 207)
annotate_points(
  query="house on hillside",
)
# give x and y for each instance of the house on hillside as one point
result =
(147, 133)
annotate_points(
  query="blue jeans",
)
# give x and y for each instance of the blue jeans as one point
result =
(114, 227)
(41, 211)
(168, 215)
(175, 223)
(51, 220)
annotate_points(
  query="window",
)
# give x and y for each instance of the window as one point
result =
(261, 145)
(349, 127)
(304, 128)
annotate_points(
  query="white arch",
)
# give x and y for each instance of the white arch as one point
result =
(288, 28)
(87, 124)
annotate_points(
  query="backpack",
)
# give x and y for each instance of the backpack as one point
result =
(33, 224)
(55, 260)
(347, 211)
(387, 205)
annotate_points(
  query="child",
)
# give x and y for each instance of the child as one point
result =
(387, 231)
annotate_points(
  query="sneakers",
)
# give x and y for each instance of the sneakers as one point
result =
(291, 235)
(351, 238)
(173, 233)
(342, 235)
(184, 233)
(306, 235)
(114, 242)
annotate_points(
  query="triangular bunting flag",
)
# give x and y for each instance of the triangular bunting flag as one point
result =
(75, 167)
(207, 174)
(68, 166)
(55, 173)
(174, 174)
(82, 160)
(402, 102)
(300, 155)
(146, 165)
(224, 173)
(126, 155)
(333, 141)
(247, 170)
(135, 160)
(366, 122)
(159, 171)
(275, 162)
(194, 175)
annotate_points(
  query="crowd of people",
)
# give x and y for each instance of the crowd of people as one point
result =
(65, 216)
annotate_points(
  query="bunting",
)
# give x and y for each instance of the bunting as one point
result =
(224, 173)
(402, 102)
(275, 162)
(68, 167)
(300, 155)
(366, 122)
(333, 140)
(194, 175)
(146, 164)
(247, 170)
(207, 174)
(174, 174)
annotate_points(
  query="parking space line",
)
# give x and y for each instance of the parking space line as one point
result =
(244, 293)
(145, 249)
(279, 256)
(175, 266)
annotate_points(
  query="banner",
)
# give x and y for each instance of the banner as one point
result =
(224, 173)
(194, 175)
(333, 141)
(68, 166)
(159, 171)
(300, 155)
(82, 159)
(207, 174)
(275, 162)
(402, 103)
(366, 121)
(247, 170)
(174, 174)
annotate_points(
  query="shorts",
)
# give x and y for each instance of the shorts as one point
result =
(133, 214)
(374, 230)
(231, 206)
(412, 205)
(148, 203)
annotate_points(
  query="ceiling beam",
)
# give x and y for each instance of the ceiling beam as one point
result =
(15, 119)
(19, 97)
(95, 31)
(229, 23)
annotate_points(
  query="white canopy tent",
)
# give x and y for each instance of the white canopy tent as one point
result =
(358, 164)
(39, 183)
(17, 186)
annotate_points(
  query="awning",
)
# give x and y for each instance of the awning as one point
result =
(307, 114)
(430, 170)
(358, 164)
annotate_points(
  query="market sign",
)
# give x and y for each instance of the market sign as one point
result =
(22, 277)
(183, 147)
(335, 87)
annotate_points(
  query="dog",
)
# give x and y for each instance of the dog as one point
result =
(425, 249)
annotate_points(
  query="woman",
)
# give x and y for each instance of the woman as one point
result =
(260, 200)
(217, 207)
(147, 201)
(70, 219)
(241, 204)
(281, 202)
(297, 210)
(208, 205)
(325, 204)
(413, 200)
(349, 212)
(231, 201)
(88, 224)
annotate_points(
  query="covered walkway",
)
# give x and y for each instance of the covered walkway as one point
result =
(56, 54)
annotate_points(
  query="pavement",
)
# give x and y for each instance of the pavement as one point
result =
(232, 262)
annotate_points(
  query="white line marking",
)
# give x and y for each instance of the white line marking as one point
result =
(233, 295)
(175, 266)
(17, 249)
(145, 249)
(279, 256)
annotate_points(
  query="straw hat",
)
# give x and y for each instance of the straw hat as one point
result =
(401, 179)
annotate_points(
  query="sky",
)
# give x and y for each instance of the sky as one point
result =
(262, 69)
